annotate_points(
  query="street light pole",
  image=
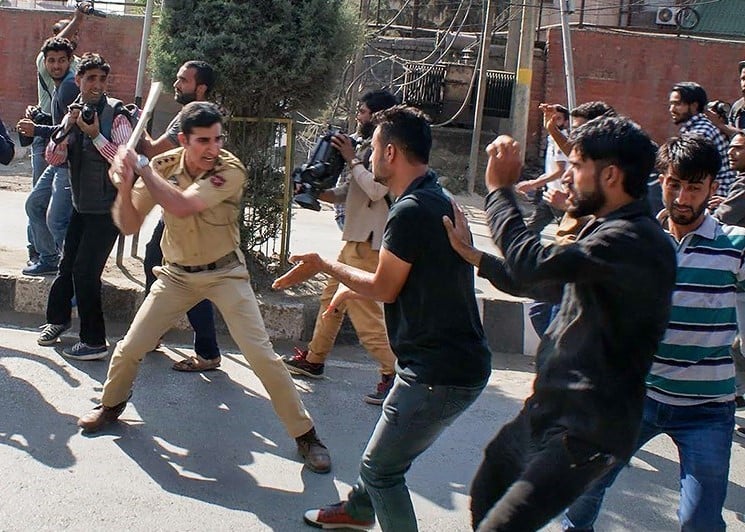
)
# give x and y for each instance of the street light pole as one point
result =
(567, 8)
(146, 24)
(521, 101)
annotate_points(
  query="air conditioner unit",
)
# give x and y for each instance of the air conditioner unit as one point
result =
(666, 16)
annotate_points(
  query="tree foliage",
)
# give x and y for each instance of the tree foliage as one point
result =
(272, 56)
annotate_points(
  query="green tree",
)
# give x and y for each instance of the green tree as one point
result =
(273, 57)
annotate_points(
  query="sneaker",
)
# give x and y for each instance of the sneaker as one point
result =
(83, 351)
(314, 452)
(381, 392)
(335, 516)
(740, 433)
(739, 402)
(40, 268)
(299, 365)
(51, 332)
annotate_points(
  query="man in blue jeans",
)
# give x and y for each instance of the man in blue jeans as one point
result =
(194, 81)
(433, 324)
(691, 386)
(49, 205)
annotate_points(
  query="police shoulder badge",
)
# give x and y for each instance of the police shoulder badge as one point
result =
(217, 180)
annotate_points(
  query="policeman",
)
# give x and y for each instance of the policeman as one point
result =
(199, 186)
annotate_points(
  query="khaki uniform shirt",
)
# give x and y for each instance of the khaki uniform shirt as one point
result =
(206, 236)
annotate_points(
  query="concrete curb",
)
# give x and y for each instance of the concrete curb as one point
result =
(286, 317)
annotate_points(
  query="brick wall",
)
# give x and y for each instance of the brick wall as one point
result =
(22, 32)
(634, 73)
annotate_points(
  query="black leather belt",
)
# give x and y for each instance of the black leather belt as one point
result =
(228, 259)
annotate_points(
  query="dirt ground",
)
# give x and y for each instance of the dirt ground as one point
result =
(16, 177)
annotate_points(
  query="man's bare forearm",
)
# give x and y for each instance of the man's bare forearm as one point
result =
(356, 279)
(126, 217)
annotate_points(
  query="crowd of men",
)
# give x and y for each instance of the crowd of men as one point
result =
(640, 298)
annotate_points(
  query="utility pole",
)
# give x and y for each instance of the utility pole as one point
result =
(524, 77)
(473, 159)
(515, 14)
(146, 24)
(567, 8)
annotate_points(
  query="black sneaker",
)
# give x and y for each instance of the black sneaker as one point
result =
(740, 433)
(83, 351)
(298, 364)
(51, 332)
(381, 391)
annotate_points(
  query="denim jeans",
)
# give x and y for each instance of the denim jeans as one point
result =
(201, 316)
(38, 165)
(88, 243)
(48, 207)
(413, 417)
(703, 436)
(528, 475)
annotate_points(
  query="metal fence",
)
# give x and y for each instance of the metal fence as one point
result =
(499, 86)
(424, 86)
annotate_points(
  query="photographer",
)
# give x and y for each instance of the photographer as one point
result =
(366, 206)
(730, 120)
(49, 204)
(88, 139)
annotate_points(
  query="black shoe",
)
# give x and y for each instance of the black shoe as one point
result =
(739, 402)
(381, 391)
(299, 365)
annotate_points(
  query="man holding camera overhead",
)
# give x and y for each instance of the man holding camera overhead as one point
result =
(49, 204)
(88, 139)
(366, 205)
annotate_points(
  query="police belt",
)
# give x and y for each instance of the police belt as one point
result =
(227, 260)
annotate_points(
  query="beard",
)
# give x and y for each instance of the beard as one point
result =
(686, 215)
(185, 97)
(585, 204)
(366, 130)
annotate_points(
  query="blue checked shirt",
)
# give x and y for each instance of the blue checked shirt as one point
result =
(701, 125)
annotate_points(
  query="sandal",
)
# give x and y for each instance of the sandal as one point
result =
(197, 364)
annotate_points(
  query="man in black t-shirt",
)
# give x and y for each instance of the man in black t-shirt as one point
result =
(435, 331)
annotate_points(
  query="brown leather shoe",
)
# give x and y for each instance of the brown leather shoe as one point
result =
(314, 452)
(101, 416)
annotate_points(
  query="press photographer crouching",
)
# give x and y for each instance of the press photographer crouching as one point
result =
(366, 210)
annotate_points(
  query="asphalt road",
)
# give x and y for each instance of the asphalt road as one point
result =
(206, 452)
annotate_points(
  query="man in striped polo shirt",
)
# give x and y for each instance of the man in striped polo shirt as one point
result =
(691, 386)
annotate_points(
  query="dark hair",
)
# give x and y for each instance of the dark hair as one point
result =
(60, 25)
(619, 141)
(378, 100)
(408, 128)
(199, 114)
(205, 74)
(691, 92)
(741, 66)
(592, 110)
(55, 44)
(92, 61)
(563, 110)
(692, 157)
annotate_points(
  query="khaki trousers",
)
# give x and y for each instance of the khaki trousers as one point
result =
(366, 315)
(175, 292)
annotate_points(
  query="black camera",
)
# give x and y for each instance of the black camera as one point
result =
(89, 10)
(87, 111)
(320, 172)
(720, 108)
(39, 117)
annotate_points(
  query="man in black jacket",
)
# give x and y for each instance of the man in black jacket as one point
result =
(615, 284)
(7, 147)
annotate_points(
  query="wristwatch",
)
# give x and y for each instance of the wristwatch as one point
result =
(354, 162)
(142, 161)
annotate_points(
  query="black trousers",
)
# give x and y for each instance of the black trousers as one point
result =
(88, 243)
(528, 478)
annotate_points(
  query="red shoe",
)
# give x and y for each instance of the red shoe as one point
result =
(381, 391)
(335, 516)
